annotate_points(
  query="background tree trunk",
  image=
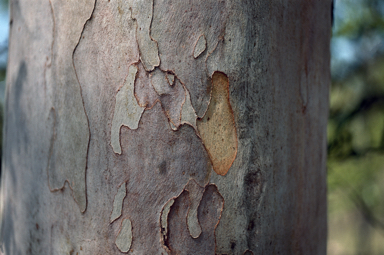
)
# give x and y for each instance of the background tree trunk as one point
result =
(164, 126)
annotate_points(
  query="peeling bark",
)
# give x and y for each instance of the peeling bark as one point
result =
(176, 27)
(69, 146)
(177, 127)
(127, 111)
(180, 240)
(145, 94)
(200, 46)
(124, 238)
(118, 202)
(195, 195)
(142, 13)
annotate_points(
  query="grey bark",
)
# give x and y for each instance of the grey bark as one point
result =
(164, 126)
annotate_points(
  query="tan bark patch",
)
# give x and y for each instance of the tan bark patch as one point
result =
(217, 128)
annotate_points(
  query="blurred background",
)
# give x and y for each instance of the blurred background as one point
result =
(355, 129)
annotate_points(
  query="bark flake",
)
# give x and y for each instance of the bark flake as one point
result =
(180, 240)
(142, 12)
(127, 111)
(124, 238)
(69, 144)
(118, 202)
(200, 46)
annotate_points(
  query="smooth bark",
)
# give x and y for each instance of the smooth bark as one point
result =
(164, 126)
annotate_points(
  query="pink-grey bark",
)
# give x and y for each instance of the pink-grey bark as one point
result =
(166, 127)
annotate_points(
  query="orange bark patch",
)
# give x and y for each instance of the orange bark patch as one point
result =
(217, 127)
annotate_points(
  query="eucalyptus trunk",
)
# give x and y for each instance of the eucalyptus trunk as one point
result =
(166, 127)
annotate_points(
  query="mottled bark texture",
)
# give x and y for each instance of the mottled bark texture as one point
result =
(166, 126)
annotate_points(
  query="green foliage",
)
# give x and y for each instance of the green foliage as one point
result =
(4, 3)
(356, 123)
(359, 17)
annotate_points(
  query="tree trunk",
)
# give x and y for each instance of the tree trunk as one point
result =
(164, 126)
